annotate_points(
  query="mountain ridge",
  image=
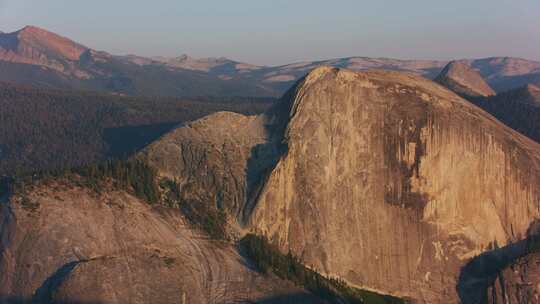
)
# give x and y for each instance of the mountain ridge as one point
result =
(120, 74)
(51, 61)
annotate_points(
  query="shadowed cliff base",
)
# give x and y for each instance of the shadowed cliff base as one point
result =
(267, 258)
(7, 299)
(44, 294)
(292, 298)
(481, 272)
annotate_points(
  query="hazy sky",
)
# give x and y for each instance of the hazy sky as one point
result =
(282, 31)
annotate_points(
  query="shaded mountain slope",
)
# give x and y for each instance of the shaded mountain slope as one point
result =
(518, 108)
(529, 94)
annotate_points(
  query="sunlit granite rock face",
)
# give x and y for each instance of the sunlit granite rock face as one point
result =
(217, 159)
(393, 183)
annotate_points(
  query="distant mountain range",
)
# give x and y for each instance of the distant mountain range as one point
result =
(40, 58)
(43, 59)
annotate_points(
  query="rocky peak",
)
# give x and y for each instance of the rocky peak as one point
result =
(35, 45)
(50, 43)
(459, 77)
(34, 30)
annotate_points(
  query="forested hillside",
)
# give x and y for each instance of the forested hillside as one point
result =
(44, 129)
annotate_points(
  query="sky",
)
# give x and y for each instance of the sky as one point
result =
(274, 32)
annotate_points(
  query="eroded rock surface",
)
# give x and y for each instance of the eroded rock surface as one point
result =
(70, 245)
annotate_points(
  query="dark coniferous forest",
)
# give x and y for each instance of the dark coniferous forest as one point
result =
(47, 129)
(510, 108)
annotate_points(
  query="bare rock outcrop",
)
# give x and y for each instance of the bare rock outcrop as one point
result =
(67, 244)
(464, 80)
(394, 183)
(218, 159)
